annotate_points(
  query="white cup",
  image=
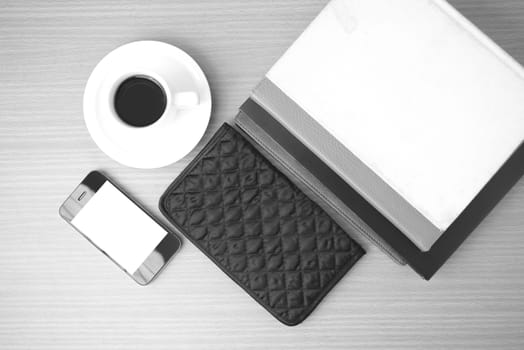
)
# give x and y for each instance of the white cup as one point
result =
(176, 131)
(175, 100)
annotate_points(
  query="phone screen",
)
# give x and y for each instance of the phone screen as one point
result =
(119, 227)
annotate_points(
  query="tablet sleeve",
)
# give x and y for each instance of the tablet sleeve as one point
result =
(258, 227)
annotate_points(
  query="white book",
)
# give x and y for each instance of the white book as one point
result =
(407, 101)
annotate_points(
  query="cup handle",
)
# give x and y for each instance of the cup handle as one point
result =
(186, 99)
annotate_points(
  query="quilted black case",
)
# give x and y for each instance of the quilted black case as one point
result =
(258, 227)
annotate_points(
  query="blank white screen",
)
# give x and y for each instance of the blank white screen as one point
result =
(118, 227)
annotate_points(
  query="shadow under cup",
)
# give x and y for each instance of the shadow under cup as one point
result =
(140, 101)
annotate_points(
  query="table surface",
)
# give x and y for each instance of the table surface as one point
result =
(58, 292)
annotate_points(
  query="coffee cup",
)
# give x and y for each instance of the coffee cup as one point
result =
(141, 100)
(147, 104)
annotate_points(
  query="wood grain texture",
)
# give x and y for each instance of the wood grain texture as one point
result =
(58, 292)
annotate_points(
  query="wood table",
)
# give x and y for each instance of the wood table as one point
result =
(58, 292)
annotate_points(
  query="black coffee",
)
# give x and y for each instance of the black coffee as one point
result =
(140, 101)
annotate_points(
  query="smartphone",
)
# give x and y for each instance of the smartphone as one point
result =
(119, 228)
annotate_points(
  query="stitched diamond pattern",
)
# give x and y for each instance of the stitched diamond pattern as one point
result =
(259, 227)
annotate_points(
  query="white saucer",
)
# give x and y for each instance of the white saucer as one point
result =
(176, 133)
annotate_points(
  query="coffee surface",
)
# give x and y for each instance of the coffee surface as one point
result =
(140, 101)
